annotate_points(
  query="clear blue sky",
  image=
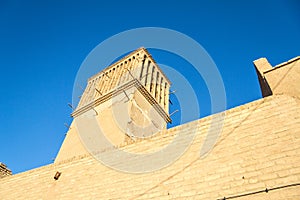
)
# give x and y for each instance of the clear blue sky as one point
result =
(43, 43)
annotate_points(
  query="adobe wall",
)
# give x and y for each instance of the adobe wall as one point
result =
(257, 149)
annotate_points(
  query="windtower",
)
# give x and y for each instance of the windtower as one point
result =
(130, 99)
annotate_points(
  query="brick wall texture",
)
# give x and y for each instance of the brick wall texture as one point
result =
(258, 148)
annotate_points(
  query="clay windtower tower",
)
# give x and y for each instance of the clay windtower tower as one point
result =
(130, 99)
